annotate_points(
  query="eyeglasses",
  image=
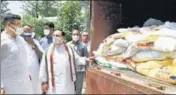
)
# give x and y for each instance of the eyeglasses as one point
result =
(84, 35)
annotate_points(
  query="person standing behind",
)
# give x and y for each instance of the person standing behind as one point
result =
(48, 32)
(85, 40)
(57, 71)
(14, 70)
(81, 49)
(34, 51)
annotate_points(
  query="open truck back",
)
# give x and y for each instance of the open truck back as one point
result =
(106, 17)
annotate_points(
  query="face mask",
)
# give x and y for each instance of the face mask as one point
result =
(58, 40)
(46, 32)
(27, 35)
(33, 34)
(17, 31)
(75, 38)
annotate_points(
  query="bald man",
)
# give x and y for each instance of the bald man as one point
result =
(85, 40)
(58, 75)
(34, 52)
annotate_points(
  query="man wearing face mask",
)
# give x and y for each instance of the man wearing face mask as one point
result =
(48, 32)
(34, 52)
(57, 71)
(14, 70)
(81, 50)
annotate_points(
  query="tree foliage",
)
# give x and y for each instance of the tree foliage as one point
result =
(85, 5)
(40, 8)
(71, 15)
(4, 8)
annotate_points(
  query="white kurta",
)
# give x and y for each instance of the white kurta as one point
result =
(14, 70)
(62, 74)
(33, 65)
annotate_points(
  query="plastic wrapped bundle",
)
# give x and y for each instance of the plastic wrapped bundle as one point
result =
(162, 70)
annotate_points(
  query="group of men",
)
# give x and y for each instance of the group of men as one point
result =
(50, 66)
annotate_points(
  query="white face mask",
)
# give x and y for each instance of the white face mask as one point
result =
(75, 38)
(46, 32)
(33, 34)
(58, 40)
(29, 35)
(18, 31)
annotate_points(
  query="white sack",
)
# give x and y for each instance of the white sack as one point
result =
(131, 51)
(167, 32)
(121, 43)
(116, 50)
(148, 56)
(171, 25)
(165, 44)
(152, 21)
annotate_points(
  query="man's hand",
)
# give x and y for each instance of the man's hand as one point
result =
(2, 91)
(30, 41)
(90, 59)
(45, 87)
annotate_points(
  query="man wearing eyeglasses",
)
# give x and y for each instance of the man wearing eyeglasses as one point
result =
(85, 40)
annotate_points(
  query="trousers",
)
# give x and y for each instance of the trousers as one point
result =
(79, 82)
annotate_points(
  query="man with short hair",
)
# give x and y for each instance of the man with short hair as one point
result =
(48, 32)
(85, 40)
(57, 71)
(34, 52)
(81, 50)
(14, 70)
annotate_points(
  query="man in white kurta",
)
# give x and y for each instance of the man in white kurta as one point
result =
(64, 77)
(14, 71)
(34, 52)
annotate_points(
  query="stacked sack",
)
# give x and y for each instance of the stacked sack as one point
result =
(150, 50)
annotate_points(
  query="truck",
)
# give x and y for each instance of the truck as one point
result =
(106, 17)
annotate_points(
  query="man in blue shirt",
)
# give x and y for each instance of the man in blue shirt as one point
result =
(48, 32)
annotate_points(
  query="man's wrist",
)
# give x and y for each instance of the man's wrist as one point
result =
(44, 83)
(34, 46)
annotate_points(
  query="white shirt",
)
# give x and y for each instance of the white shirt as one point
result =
(14, 70)
(33, 65)
(62, 74)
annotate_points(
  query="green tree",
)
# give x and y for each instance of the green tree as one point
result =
(69, 17)
(85, 7)
(49, 8)
(70, 14)
(40, 8)
(4, 8)
(31, 8)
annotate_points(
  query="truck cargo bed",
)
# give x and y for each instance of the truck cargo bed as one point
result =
(102, 80)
